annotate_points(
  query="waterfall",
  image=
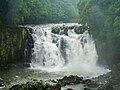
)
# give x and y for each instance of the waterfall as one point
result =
(59, 52)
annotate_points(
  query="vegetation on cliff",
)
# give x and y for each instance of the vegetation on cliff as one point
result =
(103, 18)
(13, 42)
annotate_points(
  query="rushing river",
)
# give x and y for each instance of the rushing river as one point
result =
(57, 55)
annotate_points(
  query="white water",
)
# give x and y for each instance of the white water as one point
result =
(68, 54)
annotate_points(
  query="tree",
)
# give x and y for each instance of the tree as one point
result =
(17, 11)
(103, 17)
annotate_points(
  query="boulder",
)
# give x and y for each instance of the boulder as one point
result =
(90, 83)
(16, 87)
(66, 31)
(36, 85)
(70, 89)
(72, 27)
(86, 81)
(57, 87)
(70, 80)
(87, 89)
(80, 29)
(56, 30)
(56, 84)
(60, 30)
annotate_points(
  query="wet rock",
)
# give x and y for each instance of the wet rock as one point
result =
(106, 86)
(87, 89)
(57, 87)
(54, 84)
(80, 29)
(70, 80)
(16, 87)
(36, 85)
(64, 29)
(60, 30)
(54, 81)
(72, 27)
(55, 38)
(90, 83)
(26, 64)
(29, 45)
(62, 47)
(70, 89)
(56, 30)
(86, 81)
(109, 82)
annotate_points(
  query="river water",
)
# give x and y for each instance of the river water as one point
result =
(57, 55)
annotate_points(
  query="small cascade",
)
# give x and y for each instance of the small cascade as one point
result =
(64, 49)
(46, 53)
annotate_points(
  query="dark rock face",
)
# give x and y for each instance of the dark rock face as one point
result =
(16, 45)
(112, 83)
(108, 81)
(70, 80)
(106, 87)
(29, 44)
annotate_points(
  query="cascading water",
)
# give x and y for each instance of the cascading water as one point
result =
(75, 53)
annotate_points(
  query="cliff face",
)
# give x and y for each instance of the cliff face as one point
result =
(16, 45)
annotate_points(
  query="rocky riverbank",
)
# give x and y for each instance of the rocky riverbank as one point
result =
(56, 84)
(102, 82)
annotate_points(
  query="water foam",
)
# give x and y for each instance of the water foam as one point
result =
(72, 54)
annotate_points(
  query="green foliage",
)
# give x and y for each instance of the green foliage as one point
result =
(103, 17)
(74, 2)
(17, 12)
(36, 11)
(42, 11)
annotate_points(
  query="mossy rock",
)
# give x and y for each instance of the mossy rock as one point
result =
(66, 31)
(36, 85)
(13, 41)
(56, 30)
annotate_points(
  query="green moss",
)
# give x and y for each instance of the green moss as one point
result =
(66, 31)
(12, 41)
